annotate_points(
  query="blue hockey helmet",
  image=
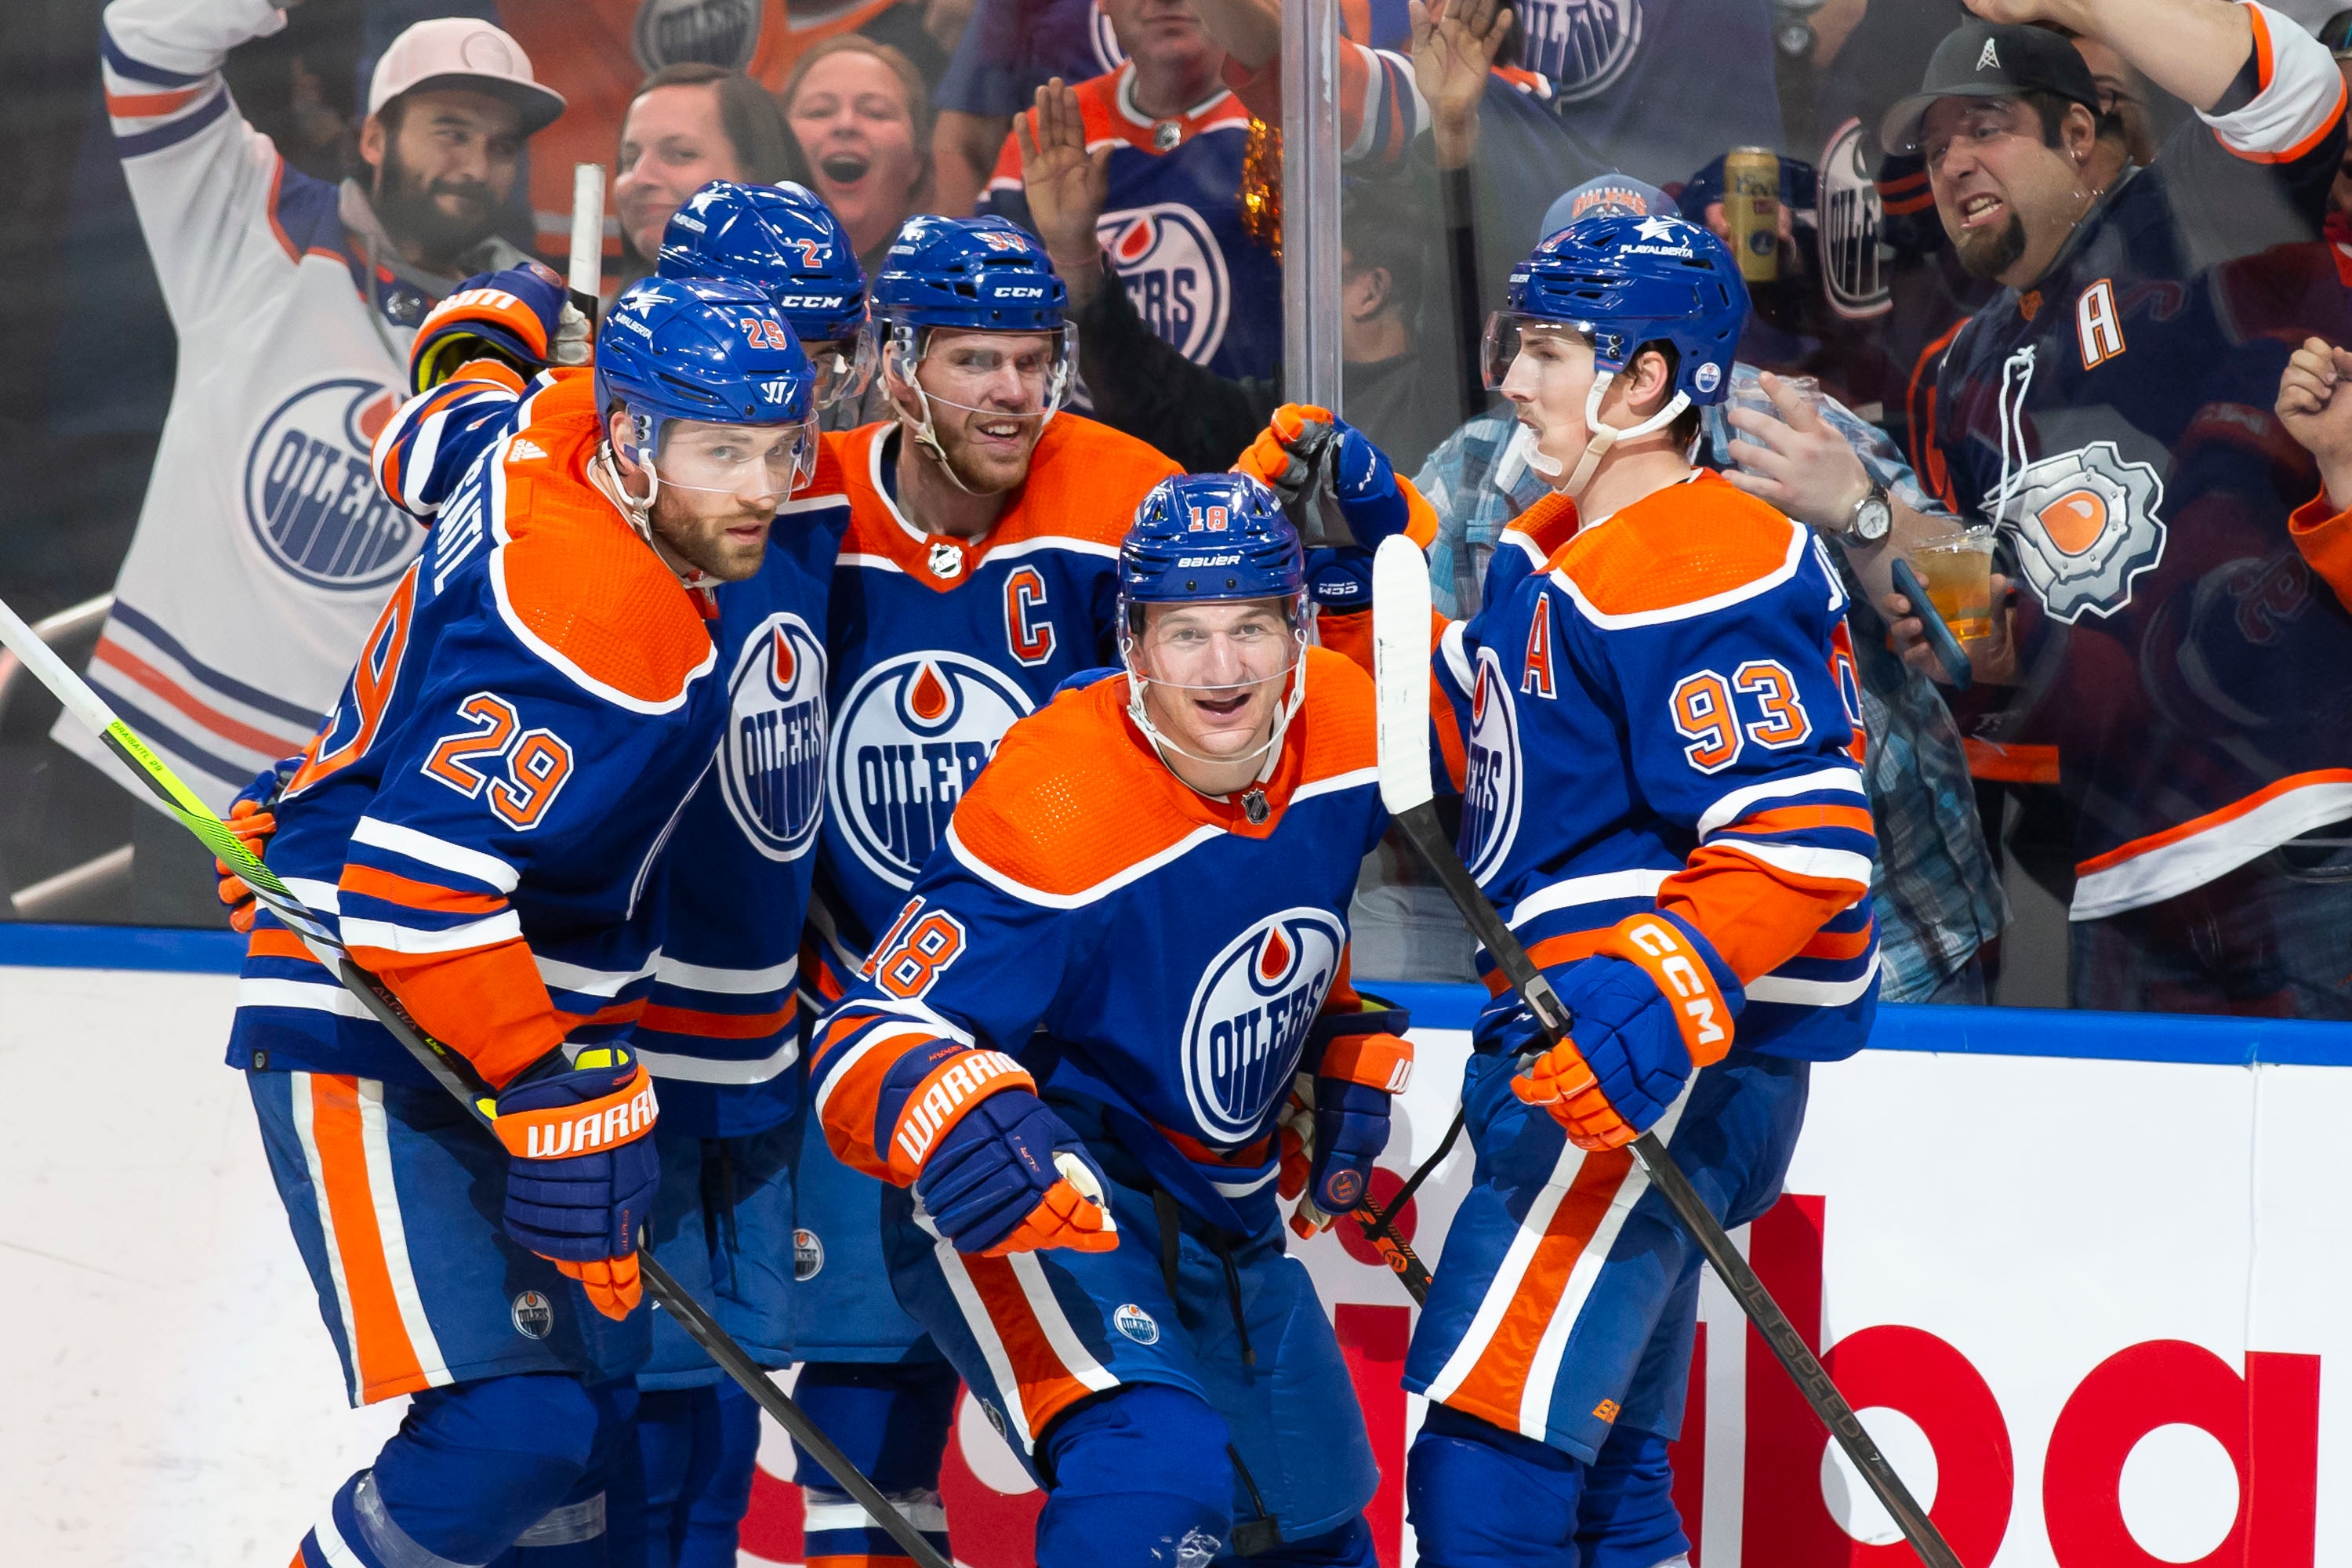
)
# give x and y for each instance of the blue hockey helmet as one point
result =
(1621, 283)
(699, 349)
(975, 274)
(784, 241)
(1205, 537)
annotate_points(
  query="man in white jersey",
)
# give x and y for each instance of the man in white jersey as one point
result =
(264, 549)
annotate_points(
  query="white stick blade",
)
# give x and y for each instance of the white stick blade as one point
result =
(1401, 671)
(587, 270)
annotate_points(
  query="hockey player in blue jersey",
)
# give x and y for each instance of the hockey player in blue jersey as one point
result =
(978, 571)
(481, 813)
(1066, 1060)
(1656, 722)
(721, 1033)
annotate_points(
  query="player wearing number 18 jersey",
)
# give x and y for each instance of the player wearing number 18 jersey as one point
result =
(1656, 706)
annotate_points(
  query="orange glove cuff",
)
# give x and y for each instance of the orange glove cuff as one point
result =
(1376, 1061)
(1681, 974)
(620, 1117)
(944, 1099)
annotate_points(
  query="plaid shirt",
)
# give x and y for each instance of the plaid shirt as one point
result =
(1934, 892)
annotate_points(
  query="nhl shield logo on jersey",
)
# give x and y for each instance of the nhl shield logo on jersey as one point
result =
(1250, 1016)
(311, 494)
(771, 761)
(908, 741)
(1174, 272)
(1584, 46)
(2087, 524)
(1491, 775)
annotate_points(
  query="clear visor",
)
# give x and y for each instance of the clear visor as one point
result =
(1024, 375)
(844, 369)
(1510, 335)
(736, 460)
(1187, 654)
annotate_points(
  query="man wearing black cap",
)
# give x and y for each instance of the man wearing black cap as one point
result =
(2170, 659)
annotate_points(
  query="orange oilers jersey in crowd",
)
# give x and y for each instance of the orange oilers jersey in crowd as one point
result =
(937, 644)
(478, 815)
(1135, 945)
(1662, 712)
(721, 1025)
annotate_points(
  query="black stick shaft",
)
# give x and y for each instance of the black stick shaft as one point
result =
(1804, 1368)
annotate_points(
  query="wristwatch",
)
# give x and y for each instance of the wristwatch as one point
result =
(1872, 516)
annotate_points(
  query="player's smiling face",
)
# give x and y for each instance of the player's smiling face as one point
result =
(987, 393)
(2007, 197)
(1215, 673)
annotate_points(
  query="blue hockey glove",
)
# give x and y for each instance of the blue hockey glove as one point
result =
(583, 1170)
(1011, 1177)
(518, 317)
(1652, 1006)
(1339, 581)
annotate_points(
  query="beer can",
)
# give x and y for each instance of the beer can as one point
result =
(1751, 210)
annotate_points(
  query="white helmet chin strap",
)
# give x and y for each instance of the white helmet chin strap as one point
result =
(605, 470)
(1604, 436)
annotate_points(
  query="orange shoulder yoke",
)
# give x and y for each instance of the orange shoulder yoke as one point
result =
(577, 579)
(1676, 546)
(1085, 482)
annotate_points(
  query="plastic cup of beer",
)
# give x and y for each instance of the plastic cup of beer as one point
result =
(1956, 572)
(1750, 394)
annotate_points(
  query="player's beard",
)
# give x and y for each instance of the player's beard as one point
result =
(410, 210)
(705, 544)
(1989, 253)
(996, 472)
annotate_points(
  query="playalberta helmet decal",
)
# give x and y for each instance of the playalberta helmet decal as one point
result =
(772, 759)
(1250, 1016)
(310, 495)
(910, 737)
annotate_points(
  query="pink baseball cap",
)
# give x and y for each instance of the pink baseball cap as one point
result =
(463, 51)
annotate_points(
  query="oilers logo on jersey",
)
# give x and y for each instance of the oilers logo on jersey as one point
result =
(909, 737)
(1490, 782)
(772, 763)
(311, 494)
(2087, 524)
(1584, 46)
(1852, 218)
(1174, 272)
(1250, 1016)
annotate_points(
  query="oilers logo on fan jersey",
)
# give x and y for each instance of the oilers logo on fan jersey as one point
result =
(1490, 784)
(2087, 524)
(1584, 46)
(910, 737)
(1250, 1014)
(772, 763)
(1174, 272)
(310, 493)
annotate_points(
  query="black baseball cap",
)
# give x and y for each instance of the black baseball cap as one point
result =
(1991, 59)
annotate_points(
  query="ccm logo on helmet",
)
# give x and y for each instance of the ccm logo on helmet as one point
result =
(810, 301)
(1677, 967)
(1023, 293)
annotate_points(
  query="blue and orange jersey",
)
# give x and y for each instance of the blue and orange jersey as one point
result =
(937, 644)
(480, 812)
(1661, 711)
(1140, 948)
(1172, 223)
(721, 1025)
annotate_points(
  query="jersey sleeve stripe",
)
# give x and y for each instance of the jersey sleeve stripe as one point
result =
(1808, 861)
(716, 1070)
(1595, 889)
(2300, 95)
(727, 981)
(717, 1026)
(488, 870)
(138, 143)
(390, 887)
(1814, 993)
(590, 982)
(123, 64)
(384, 936)
(150, 105)
(1785, 819)
(305, 995)
(1731, 806)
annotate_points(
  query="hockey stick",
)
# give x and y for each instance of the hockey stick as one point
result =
(450, 1069)
(585, 272)
(1379, 1221)
(1400, 611)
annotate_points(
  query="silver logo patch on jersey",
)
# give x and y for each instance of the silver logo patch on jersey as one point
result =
(2087, 524)
(310, 495)
(910, 737)
(1250, 1016)
(772, 759)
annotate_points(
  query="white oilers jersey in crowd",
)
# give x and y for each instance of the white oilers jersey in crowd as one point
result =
(481, 813)
(1663, 713)
(939, 643)
(264, 549)
(719, 1025)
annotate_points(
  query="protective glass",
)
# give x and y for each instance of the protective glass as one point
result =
(1509, 332)
(1181, 653)
(1022, 374)
(843, 368)
(737, 459)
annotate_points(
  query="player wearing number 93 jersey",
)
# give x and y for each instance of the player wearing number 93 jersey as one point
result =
(480, 814)
(1655, 727)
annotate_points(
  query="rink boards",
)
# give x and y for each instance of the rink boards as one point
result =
(2084, 1275)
